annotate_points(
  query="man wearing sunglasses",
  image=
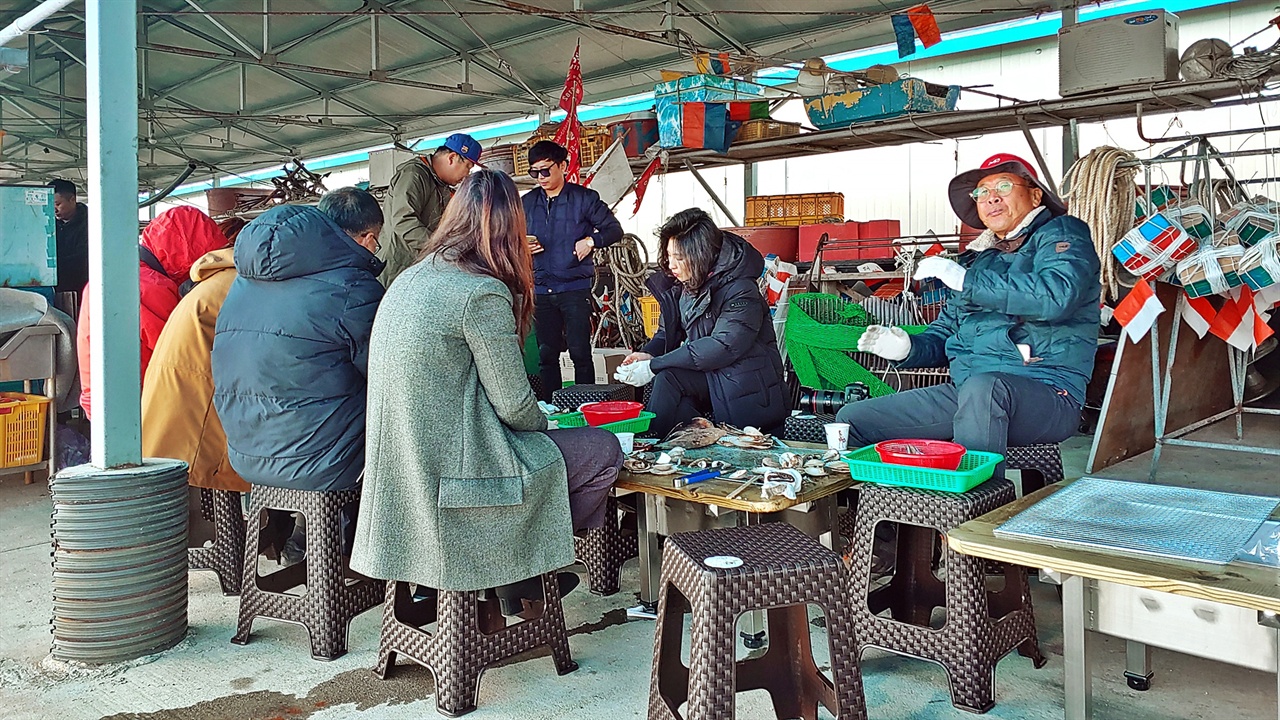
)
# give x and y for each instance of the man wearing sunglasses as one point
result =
(1019, 330)
(419, 191)
(569, 222)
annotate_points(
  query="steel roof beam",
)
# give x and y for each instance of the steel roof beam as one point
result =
(319, 91)
(381, 77)
(227, 31)
(462, 53)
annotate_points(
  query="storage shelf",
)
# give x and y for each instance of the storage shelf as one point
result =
(1097, 107)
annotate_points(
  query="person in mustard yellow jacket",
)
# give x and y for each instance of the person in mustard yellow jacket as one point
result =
(178, 417)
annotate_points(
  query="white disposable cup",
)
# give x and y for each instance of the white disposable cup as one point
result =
(627, 441)
(837, 436)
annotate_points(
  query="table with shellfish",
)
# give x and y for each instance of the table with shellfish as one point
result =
(757, 473)
(703, 476)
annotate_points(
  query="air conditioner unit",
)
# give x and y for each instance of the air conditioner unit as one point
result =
(1135, 49)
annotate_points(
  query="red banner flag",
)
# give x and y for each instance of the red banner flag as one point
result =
(925, 24)
(643, 183)
(569, 134)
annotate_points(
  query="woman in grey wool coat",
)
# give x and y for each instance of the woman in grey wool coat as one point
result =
(464, 488)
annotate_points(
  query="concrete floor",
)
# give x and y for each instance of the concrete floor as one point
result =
(206, 677)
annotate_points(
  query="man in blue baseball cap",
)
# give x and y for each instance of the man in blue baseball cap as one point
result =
(419, 191)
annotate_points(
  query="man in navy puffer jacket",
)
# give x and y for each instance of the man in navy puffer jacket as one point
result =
(291, 349)
(570, 222)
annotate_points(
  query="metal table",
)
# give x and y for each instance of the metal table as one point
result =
(1219, 612)
(665, 509)
(26, 356)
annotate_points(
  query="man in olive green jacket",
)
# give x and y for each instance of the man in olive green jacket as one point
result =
(419, 191)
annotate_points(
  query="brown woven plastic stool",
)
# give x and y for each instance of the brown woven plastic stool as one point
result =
(604, 551)
(331, 599)
(1040, 465)
(225, 556)
(575, 395)
(782, 571)
(980, 627)
(470, 636)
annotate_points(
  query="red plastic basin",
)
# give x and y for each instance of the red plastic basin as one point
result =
(600, 413)
(936, 454)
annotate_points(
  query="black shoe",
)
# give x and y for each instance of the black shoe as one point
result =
(514, 597)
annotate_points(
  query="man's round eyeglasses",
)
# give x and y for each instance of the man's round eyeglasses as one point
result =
(1001, 188)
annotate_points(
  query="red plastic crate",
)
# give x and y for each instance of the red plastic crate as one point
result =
(880, 230)
(811, 234)
(777, 239)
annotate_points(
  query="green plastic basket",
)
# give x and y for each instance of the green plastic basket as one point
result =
(975, 469)
(635, 425)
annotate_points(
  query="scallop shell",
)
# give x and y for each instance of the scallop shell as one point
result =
(814, 471)
(831, 455)
(838, 466)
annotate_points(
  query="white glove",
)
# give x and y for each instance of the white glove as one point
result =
(636, 374)
(948, 271)
(890, 343)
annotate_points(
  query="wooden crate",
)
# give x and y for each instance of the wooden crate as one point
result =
(803, 209)
(765, 128)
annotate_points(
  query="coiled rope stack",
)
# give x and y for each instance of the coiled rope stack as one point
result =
(1102, 193)
(628, 261)
(1253, 65)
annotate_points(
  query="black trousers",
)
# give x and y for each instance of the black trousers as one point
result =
(678, 396)
(561, 319)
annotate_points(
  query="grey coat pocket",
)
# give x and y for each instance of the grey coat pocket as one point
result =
(480, 492)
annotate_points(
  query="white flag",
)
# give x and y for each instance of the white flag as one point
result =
(611, 175)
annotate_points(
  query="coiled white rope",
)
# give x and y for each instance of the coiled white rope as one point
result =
(1102, 194)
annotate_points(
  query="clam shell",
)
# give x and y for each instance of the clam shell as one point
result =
(769, 462)
(814, 471)
(838, 466)
(831, 455)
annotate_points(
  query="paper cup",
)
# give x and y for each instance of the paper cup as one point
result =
(627, 441)
(837, 436)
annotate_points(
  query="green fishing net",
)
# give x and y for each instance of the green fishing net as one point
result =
(822, 333)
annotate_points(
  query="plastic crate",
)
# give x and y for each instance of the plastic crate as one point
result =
(635, 425)
(650, 314)
(765, 128)
(805, 209)
(593, 140)
(975, 469)
(23, 421)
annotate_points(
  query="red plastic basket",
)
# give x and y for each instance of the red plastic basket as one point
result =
(601, 413)
(937, 454)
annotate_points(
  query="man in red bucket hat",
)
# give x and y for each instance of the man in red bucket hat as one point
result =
(1019, 331)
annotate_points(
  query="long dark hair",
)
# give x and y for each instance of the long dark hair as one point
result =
(483, 232)
(699, 241)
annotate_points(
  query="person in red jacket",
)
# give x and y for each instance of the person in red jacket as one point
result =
(169, 246)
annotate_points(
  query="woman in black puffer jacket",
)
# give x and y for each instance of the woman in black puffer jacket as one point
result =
(715, 351)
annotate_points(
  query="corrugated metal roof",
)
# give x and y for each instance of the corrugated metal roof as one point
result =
(221, 91)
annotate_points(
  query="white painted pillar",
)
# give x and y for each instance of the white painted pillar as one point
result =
(111, 52)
